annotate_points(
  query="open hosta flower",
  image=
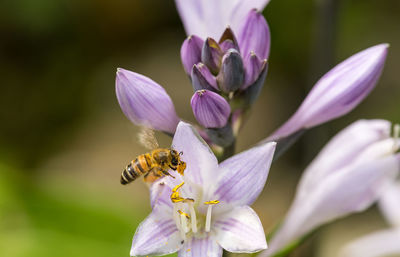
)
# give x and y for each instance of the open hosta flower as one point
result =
(338, 91)
(347, 176)
(207, 209)
(384, 242)
(145, 102)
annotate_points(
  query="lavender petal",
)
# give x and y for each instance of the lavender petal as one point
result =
(231, 75)
(196, 247)
(240, 231)
(191, 52)
(145, 102)
(243, 176)
(338, 92)
(254, 35)
(203, 79)
(253, 68)
(210, 109)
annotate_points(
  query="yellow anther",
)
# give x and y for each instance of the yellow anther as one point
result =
(177, 187)
(211, 202)
(188, 250)
(184, 214)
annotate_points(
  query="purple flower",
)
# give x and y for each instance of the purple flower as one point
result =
(384, 242)
(338, 92)
(145, 102)
(210, 109)
(207, 209)
(209, 18)
(347, 176)
(236, 62)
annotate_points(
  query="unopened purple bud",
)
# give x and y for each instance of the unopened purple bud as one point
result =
(253, 67)
(228, 40)
(231, 75)
(254, 36)
(210, 109)
(211, 55)
(202, 78)
(145, 102)
(251, 94)
(191, 52)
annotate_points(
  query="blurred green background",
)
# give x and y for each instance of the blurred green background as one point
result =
(64, 140)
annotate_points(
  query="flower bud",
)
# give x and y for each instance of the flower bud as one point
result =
(253, 67)
(228, 40)
(202, 78)
(231, 75)
(211, 55)
(210, 109)
(145, 102)
(191, 52)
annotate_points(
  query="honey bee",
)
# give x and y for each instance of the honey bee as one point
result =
(155, 164)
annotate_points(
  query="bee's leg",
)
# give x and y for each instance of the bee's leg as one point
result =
(167, 173)
(172, 167)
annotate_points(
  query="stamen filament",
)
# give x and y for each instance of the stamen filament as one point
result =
(193, 217)
(396, 134)
(208, 219)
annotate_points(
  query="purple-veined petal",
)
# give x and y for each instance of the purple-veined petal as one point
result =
(210, 18)
(254, 36)
(231, 75)
(338, 91)
(202, 78)
(389, 204)
(157, 234)
(243, 176)
(191, 52)
(240, 231)
(377, 244)
(210, 109)
(145, 102)
(196, 247)
(346, 191)
(343, 150)
(200, 160)
(253, 68)
(211, 55)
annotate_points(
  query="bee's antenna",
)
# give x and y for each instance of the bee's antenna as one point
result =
(180, 153)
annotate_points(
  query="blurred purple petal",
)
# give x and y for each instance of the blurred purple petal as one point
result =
(231, 75)
(254, 36)
(145, 102)
(196, 247)
(191, 52)
(347, 191)
(200, 160)
(343, 149)
(240, 230)
(377, 244)
(339, 91)
(203, 79)
(245, 175)
(210, 109)
(210, 18)
(253, 68)
(389, 204)
(211, 55)
(157, 234)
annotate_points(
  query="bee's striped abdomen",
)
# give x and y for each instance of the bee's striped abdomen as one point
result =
(141, 165)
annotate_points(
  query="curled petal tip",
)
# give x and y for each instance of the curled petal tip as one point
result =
(145, 102)
(210, 109)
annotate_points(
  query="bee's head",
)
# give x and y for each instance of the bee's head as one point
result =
(174, 157)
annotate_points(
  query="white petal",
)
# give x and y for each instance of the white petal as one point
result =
(342, 193)
(209, 18)
(240, 231)
(201, 162)
(199, 247)
(243, 176)
(382, 243)
(389, 204)
(156, 235)
(342, 150)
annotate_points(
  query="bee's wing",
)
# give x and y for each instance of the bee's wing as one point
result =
(147, 138)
